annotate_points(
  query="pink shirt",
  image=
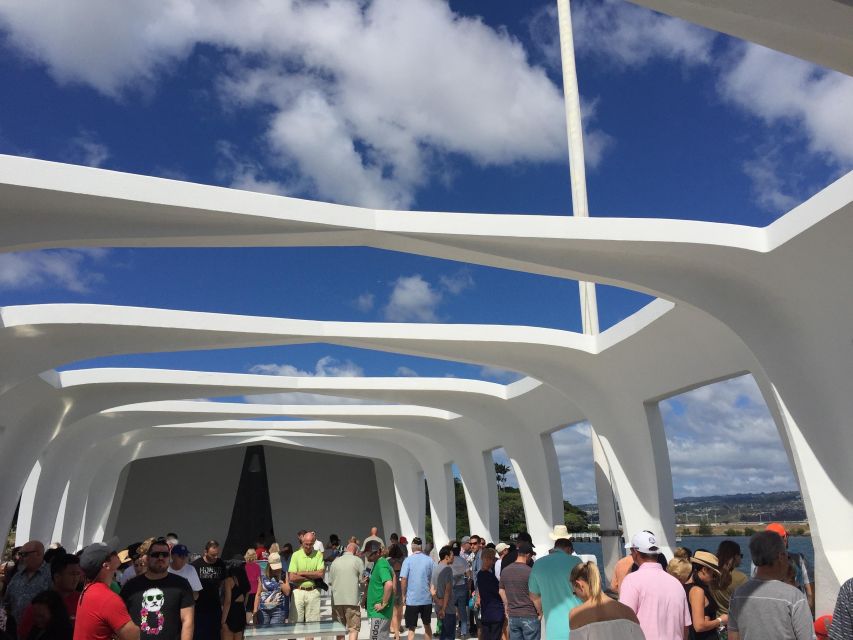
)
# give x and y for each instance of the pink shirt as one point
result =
(253, 572)
(659, 601)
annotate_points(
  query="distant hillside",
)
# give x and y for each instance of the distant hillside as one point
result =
(735, 508)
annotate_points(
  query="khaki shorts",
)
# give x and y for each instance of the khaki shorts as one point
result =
(348, 615)
(307, 605)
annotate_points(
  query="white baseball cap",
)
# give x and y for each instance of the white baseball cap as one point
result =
(645, 542)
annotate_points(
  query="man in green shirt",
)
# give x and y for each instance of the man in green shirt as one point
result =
(380, 592)
(306, 566)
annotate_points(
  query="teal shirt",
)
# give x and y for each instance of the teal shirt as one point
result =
(549, 578)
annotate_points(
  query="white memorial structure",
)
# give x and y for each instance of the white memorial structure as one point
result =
(776, 302)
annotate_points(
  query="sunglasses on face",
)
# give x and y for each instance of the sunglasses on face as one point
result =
(159, 554)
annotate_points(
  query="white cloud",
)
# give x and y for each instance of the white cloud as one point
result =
(622, 34)
(780, 89)
(769, 188)
(363, 97)
(722, 440)
(573, 445)
(327, 366)
(63, 269)
(86, 149)
(413, 299)
(365, 302)
(458, 282)
(406, 372)
(500, 375)
(768, 85)
(298, 397)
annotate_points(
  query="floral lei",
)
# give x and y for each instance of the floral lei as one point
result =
(145, 627)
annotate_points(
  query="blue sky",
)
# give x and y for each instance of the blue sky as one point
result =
(425, 105)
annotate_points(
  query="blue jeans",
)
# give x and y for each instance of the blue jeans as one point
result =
(267, 617)
(448, 624)
(460, 601)
(524, 629)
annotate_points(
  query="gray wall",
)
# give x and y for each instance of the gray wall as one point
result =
(325, 492)
(193, 495)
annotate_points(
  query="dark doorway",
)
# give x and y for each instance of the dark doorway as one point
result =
(251, 518)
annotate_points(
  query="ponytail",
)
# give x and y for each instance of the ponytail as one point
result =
(588, 572)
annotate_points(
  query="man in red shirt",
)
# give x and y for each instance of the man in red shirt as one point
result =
(65, 576)
(101, 614)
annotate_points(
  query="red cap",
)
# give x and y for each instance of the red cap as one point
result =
(821, 626)
(777, 528)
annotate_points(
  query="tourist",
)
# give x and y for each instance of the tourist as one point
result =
(131, 555)
(159, 602)
(235, 589)
(523, 612)
(374, 535)
(599, 616)
(395, 558)
(65, 576)
(488, 597)
(802, 579)
(550, 591)
(208, 611)
(272, 602)
(655, 596)
(842, 617)
(344, 578)
(333, 550)
(306, 566)
(253, 574)
(729, 556)
(461, 586)
(415, 579)
(32, 577)
(285, 554)
(181, 566)
(49, 618)
(172, 539)
(474, 564)
(502, 549)
(680, 566)
(764, 607)
(623, 567)
(705, 622)
(441, 586)
(380, 592)
(101, 613)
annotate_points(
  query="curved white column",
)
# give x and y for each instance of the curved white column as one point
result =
(608, 521)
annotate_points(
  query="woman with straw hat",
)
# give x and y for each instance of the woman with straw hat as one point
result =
(703, 608)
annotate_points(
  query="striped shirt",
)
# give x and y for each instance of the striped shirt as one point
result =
(770, 610)
(842, 618)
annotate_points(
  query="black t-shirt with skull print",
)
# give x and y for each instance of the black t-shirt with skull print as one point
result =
(155, 605)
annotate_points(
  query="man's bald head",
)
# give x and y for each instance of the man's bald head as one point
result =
(374, 531)
(352, 547)
(32, 553)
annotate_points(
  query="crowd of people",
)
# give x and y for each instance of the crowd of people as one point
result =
(469, 588)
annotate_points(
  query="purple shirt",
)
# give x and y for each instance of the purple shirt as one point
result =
(659, 601)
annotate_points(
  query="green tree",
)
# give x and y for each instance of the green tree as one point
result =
(704, 528)
(686, 532)
(734, 532)
(501, 471)
(748, 531)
